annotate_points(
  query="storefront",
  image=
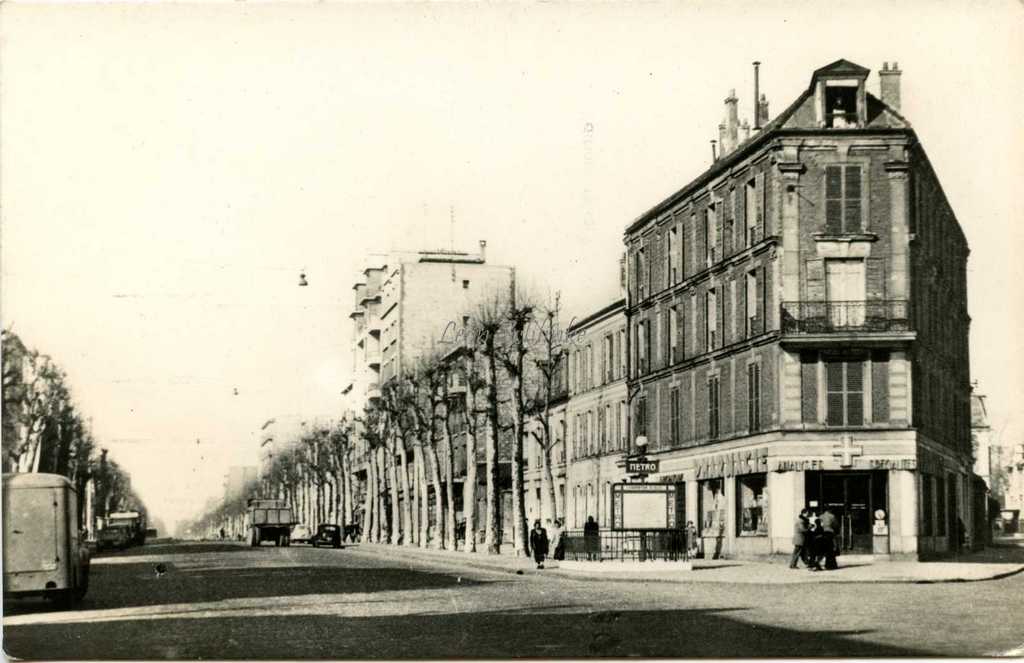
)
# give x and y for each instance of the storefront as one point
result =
(890, 494)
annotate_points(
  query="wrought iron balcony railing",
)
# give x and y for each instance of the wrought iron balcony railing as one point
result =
(851, 316)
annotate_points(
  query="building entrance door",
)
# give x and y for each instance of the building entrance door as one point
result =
(852, 497)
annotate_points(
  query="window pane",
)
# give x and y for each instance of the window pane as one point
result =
(752, 505)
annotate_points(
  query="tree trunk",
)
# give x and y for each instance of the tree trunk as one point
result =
(408, 526)
(396, 523)
(492, 534)
(549, 505)
(368, 501)
(421, 490)
(469, 488)
(451, 539)
(435, 479)
(346, 476)
(382, 496)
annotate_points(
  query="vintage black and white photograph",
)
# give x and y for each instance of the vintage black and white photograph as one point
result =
(551, 330)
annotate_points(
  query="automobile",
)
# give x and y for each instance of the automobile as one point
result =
(300, 534)
(327, 535)
(114, 536)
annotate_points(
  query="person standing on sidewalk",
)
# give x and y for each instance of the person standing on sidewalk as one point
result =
(539, 543)
(555, 539)
(801, 534)
(828, 539)
(592, 538)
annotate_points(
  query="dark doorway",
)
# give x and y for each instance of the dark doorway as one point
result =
(853, 498)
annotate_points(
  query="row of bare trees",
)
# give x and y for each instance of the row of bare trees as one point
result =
(393, 467)
(43, 431)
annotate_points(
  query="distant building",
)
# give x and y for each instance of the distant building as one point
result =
(986, 455)
(408, 305)
(799, 331)
(1014, 467)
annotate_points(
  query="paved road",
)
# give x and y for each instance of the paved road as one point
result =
(228, 601)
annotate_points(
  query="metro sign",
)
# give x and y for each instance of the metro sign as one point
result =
(641, 466)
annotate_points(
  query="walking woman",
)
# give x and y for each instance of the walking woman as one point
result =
(539, 543)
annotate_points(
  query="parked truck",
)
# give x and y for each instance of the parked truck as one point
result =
(270, 520)
(134, 521)
(44, 553)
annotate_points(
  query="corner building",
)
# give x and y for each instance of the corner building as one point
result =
(798, 330)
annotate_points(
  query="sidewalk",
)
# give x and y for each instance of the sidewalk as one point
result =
(852, 568)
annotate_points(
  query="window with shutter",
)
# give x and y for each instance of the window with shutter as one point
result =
(750, 317)
(713, 407)
(750, 210)
(674, 427)
(754, 397)
(880, 386)
(843, 199)
(845, 397)
(809, 387)
(673, 334)
(711, 317)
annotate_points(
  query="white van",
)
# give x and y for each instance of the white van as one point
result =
(43, 553)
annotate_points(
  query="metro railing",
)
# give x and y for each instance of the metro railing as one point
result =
(629, 545)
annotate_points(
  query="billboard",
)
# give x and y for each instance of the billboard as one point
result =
(644, 506)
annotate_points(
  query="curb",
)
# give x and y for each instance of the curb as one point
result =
(446, 557)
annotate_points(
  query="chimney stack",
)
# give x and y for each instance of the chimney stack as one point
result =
(732, 123)
(757, 85)
(746, 130)
(483, 250)
(889, 82)
(762, 112)
(714, 155)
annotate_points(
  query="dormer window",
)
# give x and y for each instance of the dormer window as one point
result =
(841, 105)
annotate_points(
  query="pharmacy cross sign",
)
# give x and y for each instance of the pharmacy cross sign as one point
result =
(847, 451)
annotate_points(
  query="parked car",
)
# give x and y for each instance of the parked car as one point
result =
(300, 534)
(327, 535)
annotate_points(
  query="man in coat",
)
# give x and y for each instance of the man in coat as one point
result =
(539, 543)
(828, 538)
(592, 538)
(801, 534)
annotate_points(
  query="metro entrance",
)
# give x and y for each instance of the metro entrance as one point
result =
(852, 497)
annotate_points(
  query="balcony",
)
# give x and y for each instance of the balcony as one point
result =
(373, 391)
(373, 359)
(881, 321)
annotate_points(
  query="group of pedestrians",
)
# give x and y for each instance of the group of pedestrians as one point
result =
(541, 542)
(814, 540)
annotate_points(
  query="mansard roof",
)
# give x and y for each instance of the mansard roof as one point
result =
(798, 116)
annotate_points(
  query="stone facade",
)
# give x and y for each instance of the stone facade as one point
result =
(798, 331)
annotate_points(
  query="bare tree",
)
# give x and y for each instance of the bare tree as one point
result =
(549, 360)
(489, 321)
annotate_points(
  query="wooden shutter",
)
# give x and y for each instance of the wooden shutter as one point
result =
(740, 398)
(833, 200)
(720, 317)
(855, 393)
(725, 396)
(759, 324)
(834, 395)
(741, 309)
(852, 221)
(809, 387)
(880, 387)
(815, 280)
(759, 195)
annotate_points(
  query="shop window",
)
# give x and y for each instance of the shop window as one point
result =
(752, 505)
(712, 507)
(927, 505)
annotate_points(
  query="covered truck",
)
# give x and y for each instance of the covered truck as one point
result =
(270, 520)
(43, 550)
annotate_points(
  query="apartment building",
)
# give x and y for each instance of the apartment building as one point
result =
(798, 329)
(411, 304)
(596, 413)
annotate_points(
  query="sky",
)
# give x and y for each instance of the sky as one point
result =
(167, 171)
